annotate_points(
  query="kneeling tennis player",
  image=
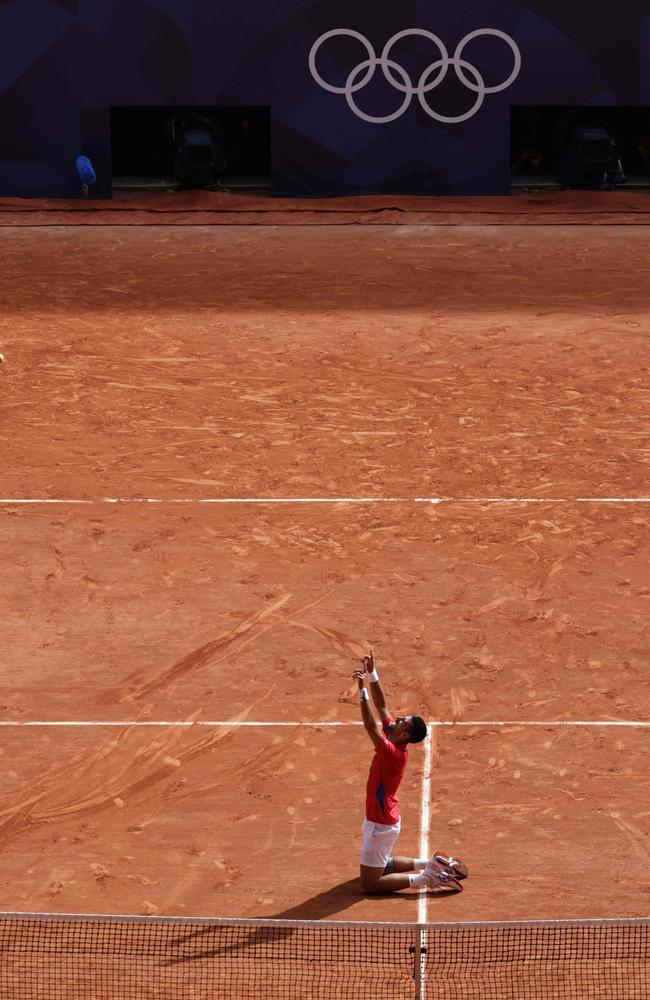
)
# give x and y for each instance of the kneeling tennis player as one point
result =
(380, 872)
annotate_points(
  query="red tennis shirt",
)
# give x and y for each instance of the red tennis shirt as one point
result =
(386, 772)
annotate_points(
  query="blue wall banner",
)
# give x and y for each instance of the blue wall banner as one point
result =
(364, 97)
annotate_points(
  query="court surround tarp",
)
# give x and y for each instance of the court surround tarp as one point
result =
(223, 208)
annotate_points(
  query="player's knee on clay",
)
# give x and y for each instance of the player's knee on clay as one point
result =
(369, 881)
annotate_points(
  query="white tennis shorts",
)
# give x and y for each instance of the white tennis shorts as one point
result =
(378, 843)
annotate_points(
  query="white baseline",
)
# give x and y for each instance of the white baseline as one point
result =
(360, 500)
(184, 723)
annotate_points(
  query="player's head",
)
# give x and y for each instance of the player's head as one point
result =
(418, 729)
(409, 729)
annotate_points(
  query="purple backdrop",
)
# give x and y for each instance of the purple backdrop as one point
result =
(66, 62)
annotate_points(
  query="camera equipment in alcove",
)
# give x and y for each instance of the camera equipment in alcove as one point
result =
(591, 160)
(199, 160)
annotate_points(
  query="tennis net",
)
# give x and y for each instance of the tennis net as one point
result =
(64, 956)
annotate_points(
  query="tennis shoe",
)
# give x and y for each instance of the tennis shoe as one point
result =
(453, 866)
(438, 880)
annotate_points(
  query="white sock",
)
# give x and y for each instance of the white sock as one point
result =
(418, 880)
(419, 864)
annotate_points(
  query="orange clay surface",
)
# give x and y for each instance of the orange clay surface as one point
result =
(535, 612)
(325, 362)
(224, 363)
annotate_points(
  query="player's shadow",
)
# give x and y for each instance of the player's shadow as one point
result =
(340, 897)
(324, 904)
(211, 940)
(335, 900)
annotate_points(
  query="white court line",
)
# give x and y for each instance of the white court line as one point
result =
(183, 723)
(333, 500)
(424, 818)
(420, 954)
(178, 723)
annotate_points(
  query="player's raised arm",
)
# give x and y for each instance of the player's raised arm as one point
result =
(376, 689)
(367, 715)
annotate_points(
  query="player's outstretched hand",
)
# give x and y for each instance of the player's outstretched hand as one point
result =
(359, 675)
(368, 662)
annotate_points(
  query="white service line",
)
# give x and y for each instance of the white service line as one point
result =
(550, 722)
(224, 500)
(180, 723)
(328, 500)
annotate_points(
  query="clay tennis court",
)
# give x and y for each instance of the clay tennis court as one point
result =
(153, 371)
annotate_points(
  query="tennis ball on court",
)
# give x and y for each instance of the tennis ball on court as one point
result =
(2, 357)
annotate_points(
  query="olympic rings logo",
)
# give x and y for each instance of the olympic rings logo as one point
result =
(431, 78)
